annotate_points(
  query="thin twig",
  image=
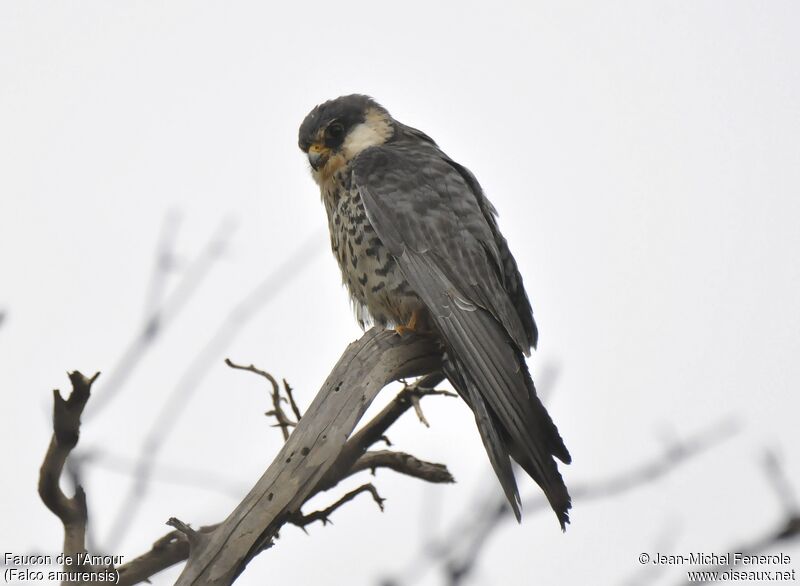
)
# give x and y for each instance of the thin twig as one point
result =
(289, 393)
(302, 520)
(418, 409)
(277, 412)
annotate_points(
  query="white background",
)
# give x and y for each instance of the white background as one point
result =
(645, 160)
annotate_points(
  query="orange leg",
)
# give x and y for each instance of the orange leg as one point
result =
(411, 326)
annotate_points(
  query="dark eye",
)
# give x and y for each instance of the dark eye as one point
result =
(335, 131)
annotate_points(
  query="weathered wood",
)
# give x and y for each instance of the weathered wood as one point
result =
(367, 365)
(66, 430)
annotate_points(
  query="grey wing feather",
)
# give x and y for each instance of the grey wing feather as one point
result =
(432, 222)
(507, 268)
(506, 265)
(435, 211)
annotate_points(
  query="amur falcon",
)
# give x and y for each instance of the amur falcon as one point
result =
(419, 249)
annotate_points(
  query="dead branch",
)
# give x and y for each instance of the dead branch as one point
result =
(277, 411)
(302, 520)
(290, 394)
(375, 430)
(66, 431)
(403, 464)
(314, 447)
(167, 551)
(318, 446)
(173, 547)
(74, 471)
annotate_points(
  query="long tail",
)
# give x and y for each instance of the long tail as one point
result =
(490, 373)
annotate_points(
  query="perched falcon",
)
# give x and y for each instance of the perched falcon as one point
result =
(420, 250)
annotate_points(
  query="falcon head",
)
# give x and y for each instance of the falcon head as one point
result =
(335, 132)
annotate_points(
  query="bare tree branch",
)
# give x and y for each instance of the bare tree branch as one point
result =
(302, 520)
(167, 551)
(418, 410)
(74, 470)
(375, 430)
(66, 431)
(290, 394)
(277, 410)
(173, 547)
(403, 464)
(312, 449)
(367, 366)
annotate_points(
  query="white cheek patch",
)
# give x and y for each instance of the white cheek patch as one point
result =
(361, 137)
(373, 131)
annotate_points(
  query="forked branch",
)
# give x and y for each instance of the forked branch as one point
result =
(316, 456)
(66, 430)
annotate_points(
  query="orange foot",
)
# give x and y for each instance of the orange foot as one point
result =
(410, 327)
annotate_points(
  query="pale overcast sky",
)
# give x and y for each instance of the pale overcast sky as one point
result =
(645, 161)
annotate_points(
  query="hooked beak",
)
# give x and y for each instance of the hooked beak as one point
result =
(317, 155)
